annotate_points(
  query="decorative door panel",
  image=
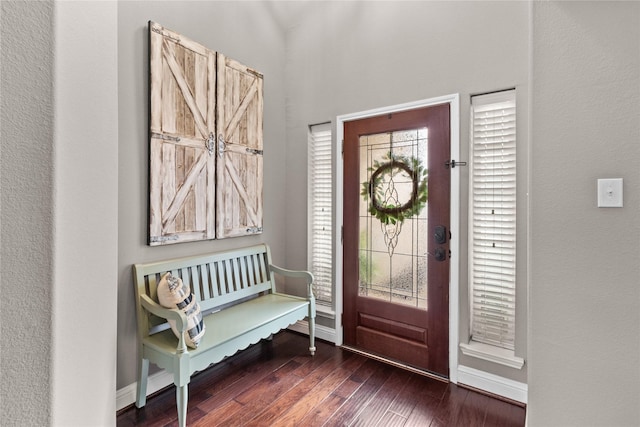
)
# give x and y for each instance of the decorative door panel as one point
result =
(197, 139)
(396, 244)
(239, 162)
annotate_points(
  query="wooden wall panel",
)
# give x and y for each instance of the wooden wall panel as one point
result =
(206, 142)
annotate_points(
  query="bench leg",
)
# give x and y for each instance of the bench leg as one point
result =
(141, 389)
(182, 397)
(312, 335)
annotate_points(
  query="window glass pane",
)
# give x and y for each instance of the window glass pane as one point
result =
(393, 250)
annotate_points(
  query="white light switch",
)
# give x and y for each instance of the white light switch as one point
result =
(610, 193)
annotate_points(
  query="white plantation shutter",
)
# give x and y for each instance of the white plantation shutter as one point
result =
(493, 218)
(319, 189)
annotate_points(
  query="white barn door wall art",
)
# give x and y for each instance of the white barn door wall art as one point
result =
(239, 163)
(205, 168)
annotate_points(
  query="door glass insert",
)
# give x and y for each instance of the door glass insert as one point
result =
(393, 217)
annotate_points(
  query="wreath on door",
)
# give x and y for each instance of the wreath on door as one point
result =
(381, 192)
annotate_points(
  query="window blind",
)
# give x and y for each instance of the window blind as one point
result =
(320, 219)
(493, 219)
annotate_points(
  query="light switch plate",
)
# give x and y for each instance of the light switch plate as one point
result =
(610, 193)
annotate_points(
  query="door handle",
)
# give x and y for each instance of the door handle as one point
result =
(440, 234)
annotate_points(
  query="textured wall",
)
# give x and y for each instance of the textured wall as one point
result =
(584, 337)
(26, 176)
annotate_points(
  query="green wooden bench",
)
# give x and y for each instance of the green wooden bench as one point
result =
(240, 306)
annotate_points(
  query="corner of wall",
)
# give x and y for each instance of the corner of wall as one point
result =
(85, 192)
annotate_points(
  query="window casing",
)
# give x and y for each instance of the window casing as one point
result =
(319, 183)
(492, 219)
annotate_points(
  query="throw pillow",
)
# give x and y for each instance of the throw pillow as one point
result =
(173, 293)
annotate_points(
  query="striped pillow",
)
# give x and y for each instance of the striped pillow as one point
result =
(173, 293)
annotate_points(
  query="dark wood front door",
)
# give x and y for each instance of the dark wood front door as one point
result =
(396, 237)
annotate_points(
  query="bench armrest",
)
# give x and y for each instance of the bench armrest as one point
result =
(297, 274)
(170, 314)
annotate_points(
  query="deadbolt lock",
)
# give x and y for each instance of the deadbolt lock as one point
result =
(440, 234)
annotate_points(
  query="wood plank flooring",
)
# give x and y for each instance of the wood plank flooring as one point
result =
(278, 383)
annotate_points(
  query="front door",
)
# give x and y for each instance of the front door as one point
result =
(396, 237)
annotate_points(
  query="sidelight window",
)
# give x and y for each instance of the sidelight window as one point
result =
(319, 184)
(492, 222)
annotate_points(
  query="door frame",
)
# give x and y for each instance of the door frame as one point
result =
(454, 103)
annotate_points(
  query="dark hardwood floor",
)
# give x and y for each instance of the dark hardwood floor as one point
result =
(278, 383)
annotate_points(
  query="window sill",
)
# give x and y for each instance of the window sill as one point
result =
(492, 354)
(325, 311)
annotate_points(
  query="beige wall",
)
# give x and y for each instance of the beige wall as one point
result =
(584, 335)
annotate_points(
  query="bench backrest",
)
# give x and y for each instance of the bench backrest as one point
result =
(215, 279)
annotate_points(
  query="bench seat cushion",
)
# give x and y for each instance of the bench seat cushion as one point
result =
(236, 327)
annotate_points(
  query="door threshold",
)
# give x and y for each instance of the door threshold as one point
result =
(395, 363)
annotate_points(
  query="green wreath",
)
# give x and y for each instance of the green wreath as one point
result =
(371, 190)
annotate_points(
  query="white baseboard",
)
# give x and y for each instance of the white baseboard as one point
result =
(127, 395)
(322, 332)
(494, 384)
